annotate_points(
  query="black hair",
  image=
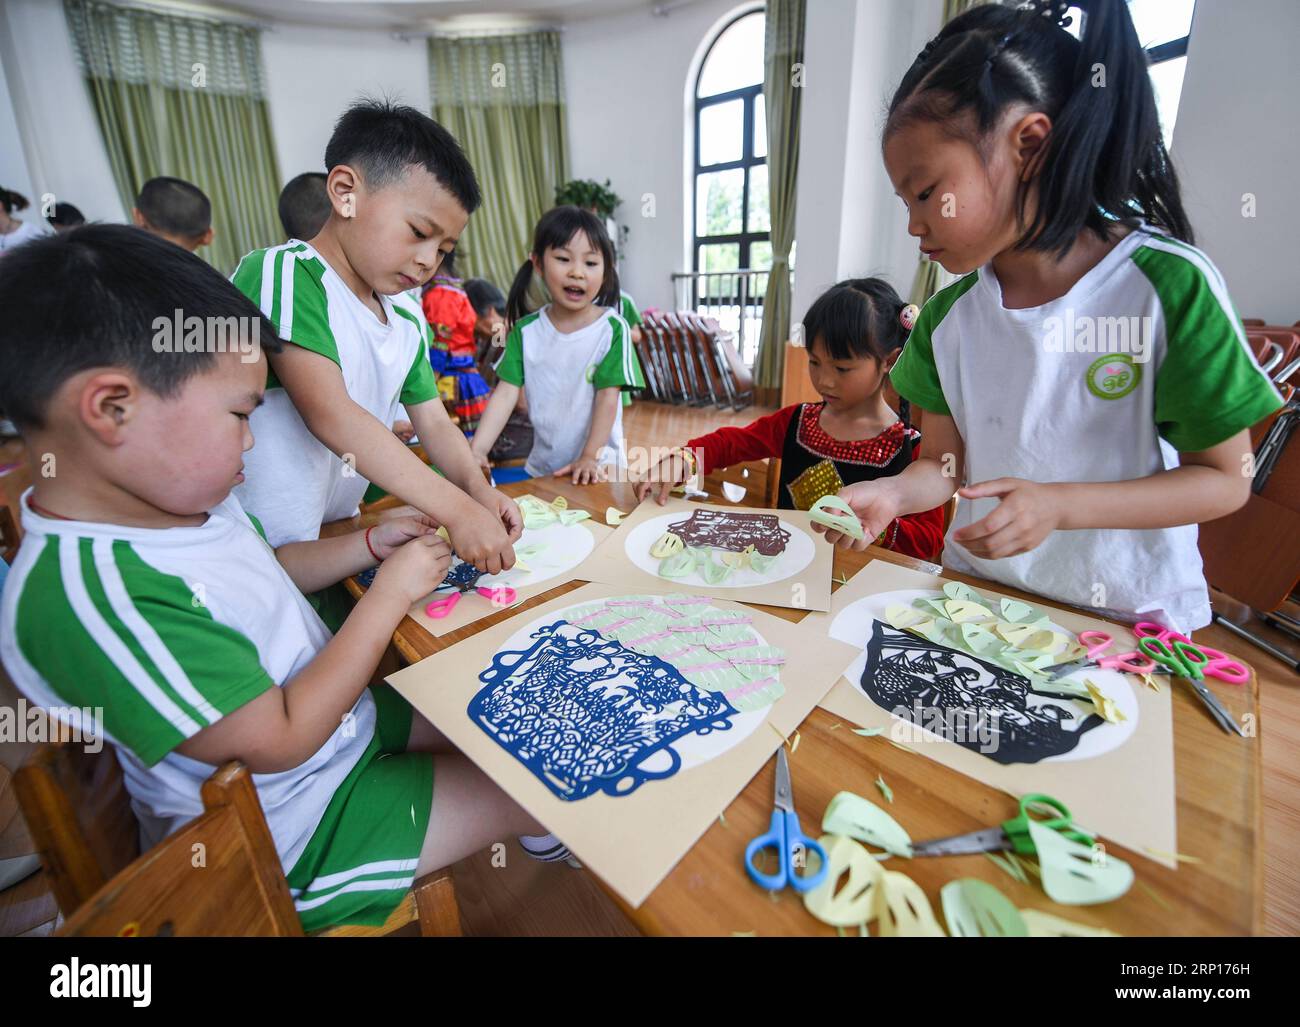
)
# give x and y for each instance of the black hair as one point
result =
(304, 205)
(382, 140)
(65, 215)
(175, 206)
(857, 319)
(90, 298)
(556, 227)
(12, 201)
(484, 296)
(1105, 160)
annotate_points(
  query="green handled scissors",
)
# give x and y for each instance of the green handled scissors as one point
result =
(1011, 834)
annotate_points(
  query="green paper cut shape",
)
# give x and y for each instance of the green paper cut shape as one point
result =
(980, 640)
(714, 573)
(678, 565)
(568, 517)
(975, 909)
(1014, 610)
(868, 732)
(854, 816)
(885, 790)
(761, 564)
(934, 607)
(903, 909)
(960, 590)
(1075, 874)
(1066, 687)
(832, 512)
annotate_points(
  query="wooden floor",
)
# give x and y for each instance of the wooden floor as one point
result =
(526, 898)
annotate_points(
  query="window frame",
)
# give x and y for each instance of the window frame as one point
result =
(747, 161)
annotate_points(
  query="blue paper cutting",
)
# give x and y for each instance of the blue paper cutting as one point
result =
(586, 714)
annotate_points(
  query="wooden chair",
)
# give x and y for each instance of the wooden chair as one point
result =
(79, 815)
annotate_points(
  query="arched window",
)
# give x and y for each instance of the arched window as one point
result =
(732, 225)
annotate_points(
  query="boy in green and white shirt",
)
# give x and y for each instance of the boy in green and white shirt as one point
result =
(401, 192)
(144, 591)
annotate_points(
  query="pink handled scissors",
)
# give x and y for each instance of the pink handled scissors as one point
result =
(502, 595)
(1097, 642)
(1215, 664)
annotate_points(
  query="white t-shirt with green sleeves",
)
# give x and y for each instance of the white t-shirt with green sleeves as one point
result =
(562, 373)
(1043, 394)
(167, 631)
(293, 481)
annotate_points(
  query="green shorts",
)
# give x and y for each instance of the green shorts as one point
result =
(361, 859)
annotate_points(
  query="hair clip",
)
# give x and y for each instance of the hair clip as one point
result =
(1056, 9)
(907, 316)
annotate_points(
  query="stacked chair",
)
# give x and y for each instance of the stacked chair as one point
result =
(690, 360)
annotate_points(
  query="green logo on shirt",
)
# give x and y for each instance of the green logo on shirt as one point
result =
(591, 374)
(1114, 376)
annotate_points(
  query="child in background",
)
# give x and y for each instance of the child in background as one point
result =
(490, 326)
(304, 205)
(575, 353)
(177, 211)
(401, 192)
(452, 352)
(1085, 475)
(14, 231)
(65, 217)
(143, 588)
(855, 331)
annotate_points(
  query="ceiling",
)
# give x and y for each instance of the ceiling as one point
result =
(430, 14)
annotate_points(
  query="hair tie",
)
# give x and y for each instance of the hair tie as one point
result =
(998, 47)
(908, 315)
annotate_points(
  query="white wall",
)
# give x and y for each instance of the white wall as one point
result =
(312, 74)
(13, 162)
(848, 221)
(61, 144)
(1236, 133)
(626, 87)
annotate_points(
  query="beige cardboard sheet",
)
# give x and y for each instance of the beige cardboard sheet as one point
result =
(633, 840)
(799, 579)
(1119, 781)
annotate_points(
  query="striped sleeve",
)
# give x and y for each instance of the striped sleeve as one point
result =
(619, 368)
(104, 629)
(510, 365)
(421, 384)
(915, 375)
(1209, 386)
(285, 282)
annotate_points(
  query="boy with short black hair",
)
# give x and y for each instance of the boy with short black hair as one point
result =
(143, 588)
(304, 205)
(401, 192)
(176, 210)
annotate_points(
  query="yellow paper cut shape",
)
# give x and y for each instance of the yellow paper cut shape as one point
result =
(666, 545)
(963, 611)
(1044, 925)
(1104, 705)
(856, 901)
(614, 516)
(904, 911)
(901, 617)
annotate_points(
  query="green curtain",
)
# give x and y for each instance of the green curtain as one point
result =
(930, 277)
(184, 97)
(502, 97)
(782, 50)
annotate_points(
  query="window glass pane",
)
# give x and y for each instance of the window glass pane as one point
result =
(760, 126)
(720, 257)
(735, 59)
(760, 217)
(722, 130)
(718, 197)
(1167, 81)
(760, 256)
(1158, 21)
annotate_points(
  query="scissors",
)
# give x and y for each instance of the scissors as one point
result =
(787, 837)
(502, 595)
(1097, 642)
(1185, 658)
(1011, 834)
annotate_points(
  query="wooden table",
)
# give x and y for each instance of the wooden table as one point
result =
(708, 893)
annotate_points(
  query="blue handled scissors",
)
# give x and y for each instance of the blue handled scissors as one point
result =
(787, 837)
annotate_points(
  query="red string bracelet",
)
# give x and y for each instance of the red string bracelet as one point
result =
(369, 546)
